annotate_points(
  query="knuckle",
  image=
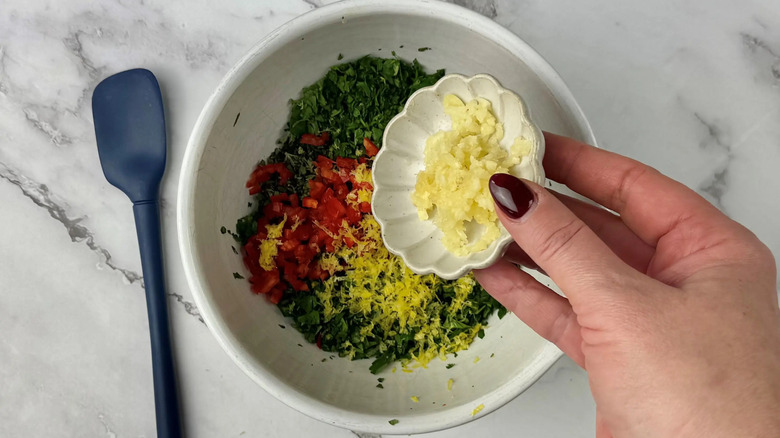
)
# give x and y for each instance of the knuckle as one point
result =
(521, 285)
(628, 179)
(560, 239)
(561, 326)
(755, 253)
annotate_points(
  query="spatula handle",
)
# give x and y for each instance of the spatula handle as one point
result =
(147, 224)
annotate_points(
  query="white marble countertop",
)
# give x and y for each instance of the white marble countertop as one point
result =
(692, 88)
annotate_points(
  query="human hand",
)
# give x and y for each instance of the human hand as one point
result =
(671, 306)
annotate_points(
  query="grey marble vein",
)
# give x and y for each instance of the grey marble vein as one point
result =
(45, 127)
(41, 195)
(766, 58)
(753, 43)
(365, 434)
(73, 44)
(109, 431)
(3, 86)
(485, 7)
(312, 3)
(189, 307)
(717, 186)
(716, 138)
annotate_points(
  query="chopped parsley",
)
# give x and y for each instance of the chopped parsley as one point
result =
(237, 276)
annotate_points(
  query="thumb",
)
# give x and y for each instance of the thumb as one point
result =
(556, 239)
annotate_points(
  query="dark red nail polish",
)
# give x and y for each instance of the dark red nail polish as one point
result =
(511, 194)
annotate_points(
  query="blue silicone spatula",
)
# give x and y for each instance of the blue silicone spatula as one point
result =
(130, 130)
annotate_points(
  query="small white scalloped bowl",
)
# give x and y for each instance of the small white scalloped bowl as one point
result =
(416, 241)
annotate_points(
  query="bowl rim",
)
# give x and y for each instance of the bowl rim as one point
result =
(191, 262)
(488, 256)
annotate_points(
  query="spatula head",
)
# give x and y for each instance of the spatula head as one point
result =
(130, 130)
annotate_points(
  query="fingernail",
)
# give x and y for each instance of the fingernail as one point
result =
(512, 196)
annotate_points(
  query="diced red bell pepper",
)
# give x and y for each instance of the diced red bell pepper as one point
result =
(342, 191)
(291, 279)
(371, 148)
(284, 173)
(303, 232)
(365, 207)
(302, 269)
(323, 162)
(330, 175)
(316, 189)
(274, 209)
(346, 163)
(353, 216)
(295, 214)
(251, 249)
(263, 173)
(289, 245)
(315, 140)
(309, 202)
(263, 283)
(344, 175)
(327, 196)
(335, 209)
(314, 272)
(304, 255)
(275, 296)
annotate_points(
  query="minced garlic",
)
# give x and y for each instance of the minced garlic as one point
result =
(458, 166)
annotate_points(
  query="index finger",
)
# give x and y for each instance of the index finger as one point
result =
(649, 203)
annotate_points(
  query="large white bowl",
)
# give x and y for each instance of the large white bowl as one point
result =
(223, 150)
